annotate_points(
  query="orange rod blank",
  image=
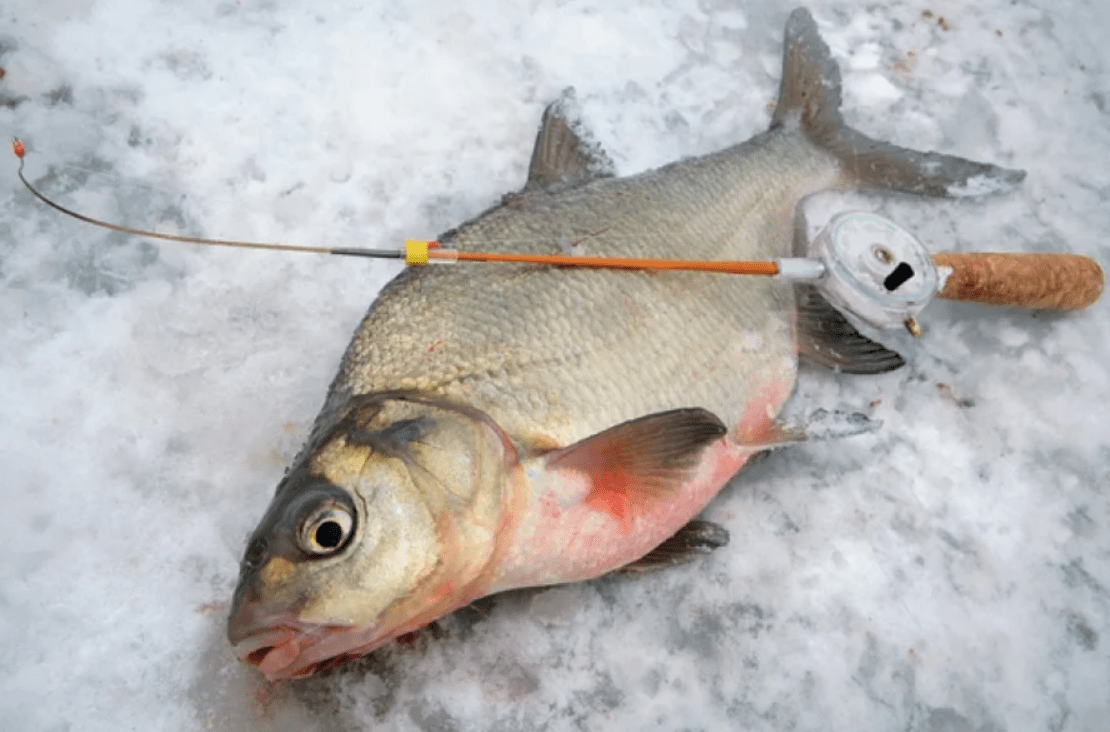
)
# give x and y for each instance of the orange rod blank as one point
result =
(1042, 281)
(750, 268)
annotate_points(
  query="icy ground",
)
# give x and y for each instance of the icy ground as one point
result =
(950, 572)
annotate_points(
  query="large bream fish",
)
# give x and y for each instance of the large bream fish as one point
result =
(500, 426)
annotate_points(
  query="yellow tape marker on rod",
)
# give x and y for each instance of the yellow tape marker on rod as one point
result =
(416, 252)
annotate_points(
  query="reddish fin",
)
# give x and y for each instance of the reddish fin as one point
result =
(820, 425)
(769, 435)
(693, 540)
(642, 460)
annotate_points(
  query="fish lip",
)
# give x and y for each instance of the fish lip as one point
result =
(268, 638)
(295, 650)
(285, 647)
(274, 650)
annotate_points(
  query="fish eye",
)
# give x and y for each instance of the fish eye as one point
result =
(327, 529)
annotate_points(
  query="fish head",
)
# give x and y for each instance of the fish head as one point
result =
(389, 519)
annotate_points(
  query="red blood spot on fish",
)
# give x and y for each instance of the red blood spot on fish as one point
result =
(550, 508)
(436, 348)
(407, 639)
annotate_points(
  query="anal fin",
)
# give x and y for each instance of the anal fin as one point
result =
(693, 540)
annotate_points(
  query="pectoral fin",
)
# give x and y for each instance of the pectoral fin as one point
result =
(640, 461)
(827, 338)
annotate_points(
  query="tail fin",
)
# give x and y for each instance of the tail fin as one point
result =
(809, 98)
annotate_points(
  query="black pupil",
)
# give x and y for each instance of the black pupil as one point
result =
(329, 534)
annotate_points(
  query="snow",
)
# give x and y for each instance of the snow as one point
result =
(949, 571)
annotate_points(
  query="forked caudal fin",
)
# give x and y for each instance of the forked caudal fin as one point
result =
(809, 98)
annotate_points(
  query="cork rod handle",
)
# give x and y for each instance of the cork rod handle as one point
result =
(1041, 281)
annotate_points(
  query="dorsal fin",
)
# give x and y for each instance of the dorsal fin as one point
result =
(564, 155)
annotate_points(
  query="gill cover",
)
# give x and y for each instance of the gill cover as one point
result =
(389, 514)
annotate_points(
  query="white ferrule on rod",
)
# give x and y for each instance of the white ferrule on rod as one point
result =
(800, 268)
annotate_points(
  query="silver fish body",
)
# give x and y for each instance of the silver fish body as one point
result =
(498, 426)
(556, 355)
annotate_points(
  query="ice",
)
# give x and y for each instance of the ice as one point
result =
(949, 571)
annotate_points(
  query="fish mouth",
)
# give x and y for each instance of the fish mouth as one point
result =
(296, 650)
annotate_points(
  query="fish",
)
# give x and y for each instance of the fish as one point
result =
(501, 426)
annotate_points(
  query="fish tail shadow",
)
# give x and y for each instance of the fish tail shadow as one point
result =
(809, 98)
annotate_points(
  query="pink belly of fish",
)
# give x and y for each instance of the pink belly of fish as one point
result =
(610, 528)
(582, 525)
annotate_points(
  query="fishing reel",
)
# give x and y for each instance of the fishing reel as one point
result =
(870, 267)
(875, 270)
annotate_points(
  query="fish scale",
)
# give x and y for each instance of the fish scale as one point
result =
(593, 348)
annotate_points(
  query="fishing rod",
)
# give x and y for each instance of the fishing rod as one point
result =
(417, 252)
(862, 263)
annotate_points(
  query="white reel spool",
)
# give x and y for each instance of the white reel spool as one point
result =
(875, 270)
